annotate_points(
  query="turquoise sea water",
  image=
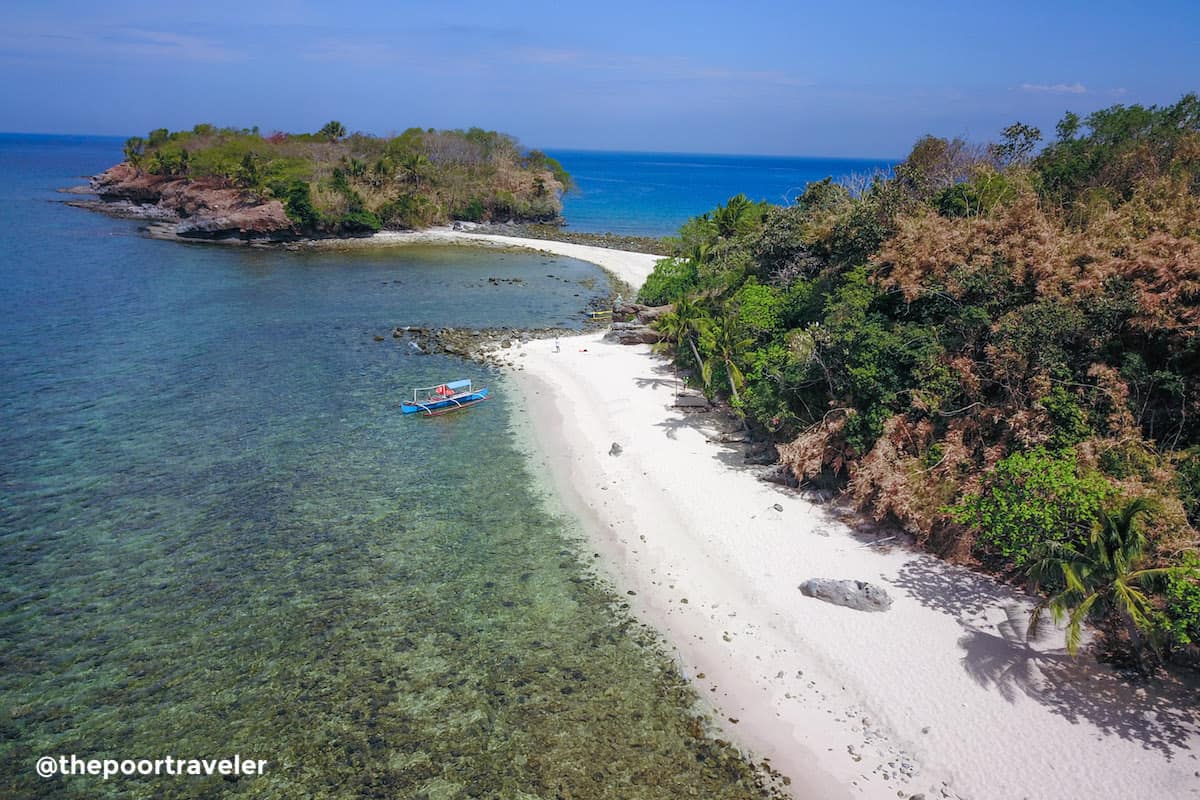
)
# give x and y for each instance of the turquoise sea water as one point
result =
(218, 535)
(652, 194)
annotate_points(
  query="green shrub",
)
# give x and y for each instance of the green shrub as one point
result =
(408, 211)
(1182, 615)
(1032, 498)
(672, 278)
(299, 207)
(1069, 420)
(1188, 481)
(471, 212)
(359, 221)
(976, 197)
(758, 306)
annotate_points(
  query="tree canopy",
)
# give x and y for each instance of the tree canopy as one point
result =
(334, 182)
(993, 347)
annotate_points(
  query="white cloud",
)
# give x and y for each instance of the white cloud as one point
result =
(629, 66)
(1055, 88)
(167, 44)
(538, 55)
(123, 43)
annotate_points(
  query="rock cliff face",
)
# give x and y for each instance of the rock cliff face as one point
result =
(205, 208)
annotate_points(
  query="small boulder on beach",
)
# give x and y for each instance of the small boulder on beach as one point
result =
(859, 595)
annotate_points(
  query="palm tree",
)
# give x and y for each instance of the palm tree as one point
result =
(135, 148)
(683, 324)
(726, 340)
(1106, 579)
(700, 253)
(415, 166)
(332, 130)
(735, 216)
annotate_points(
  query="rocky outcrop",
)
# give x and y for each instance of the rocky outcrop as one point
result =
(206, 208)
(632, 333)
(859, 595)
(488, 346)
(637, 312)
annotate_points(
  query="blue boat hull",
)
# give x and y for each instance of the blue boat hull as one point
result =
(445, 404)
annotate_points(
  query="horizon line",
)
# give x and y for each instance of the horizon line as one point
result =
(544, 148)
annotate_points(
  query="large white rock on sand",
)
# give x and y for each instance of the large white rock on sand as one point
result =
(859, 595)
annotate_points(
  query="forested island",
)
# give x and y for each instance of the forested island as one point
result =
(994, 346)
(219, 183)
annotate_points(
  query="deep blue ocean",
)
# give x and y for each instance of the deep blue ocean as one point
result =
(218, 534)
(652, 194)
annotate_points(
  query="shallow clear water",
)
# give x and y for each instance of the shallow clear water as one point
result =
(652, 194)
(218, 535)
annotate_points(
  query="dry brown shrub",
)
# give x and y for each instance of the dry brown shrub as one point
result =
(329, 200)
(1152, 242)
(1112, 400)
(823, 445)
(1165, 270)
(889, 480)
(930, 253)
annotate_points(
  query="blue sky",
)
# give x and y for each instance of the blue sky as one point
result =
(796, 78)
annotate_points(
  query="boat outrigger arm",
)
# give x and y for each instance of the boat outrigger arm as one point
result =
(445, 397)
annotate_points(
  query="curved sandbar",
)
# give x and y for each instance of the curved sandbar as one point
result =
(632, 268)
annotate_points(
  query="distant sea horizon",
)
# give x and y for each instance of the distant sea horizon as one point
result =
(654, 193)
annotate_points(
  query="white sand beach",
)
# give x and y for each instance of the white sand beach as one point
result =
(941, 692)
(941, 695)
(632, 268)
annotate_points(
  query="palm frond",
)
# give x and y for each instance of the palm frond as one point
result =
(1072, 577)
(1075, 622)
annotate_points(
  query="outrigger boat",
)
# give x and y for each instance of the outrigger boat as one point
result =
(443, 398)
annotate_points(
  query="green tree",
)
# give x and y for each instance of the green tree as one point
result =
(737, 216)
(356, 167)
(1182, 621)
(249, 172)
(726, 341)
(416, 167)
(1107, 578)
(158, 137)
(299, 206)
(671, 279)
(135, 148)
(1017, 143)
(683, 324)
(332, 130)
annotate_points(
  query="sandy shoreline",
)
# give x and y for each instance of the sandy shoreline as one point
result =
(631, 268)
(941, 695)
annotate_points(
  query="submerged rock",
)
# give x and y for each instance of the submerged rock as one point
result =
(859, 595)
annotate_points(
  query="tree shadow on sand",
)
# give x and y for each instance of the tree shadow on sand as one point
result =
(951, 589)
(659, 382)
(1160, 713)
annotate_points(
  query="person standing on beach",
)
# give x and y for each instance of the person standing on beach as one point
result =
(556, 344)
